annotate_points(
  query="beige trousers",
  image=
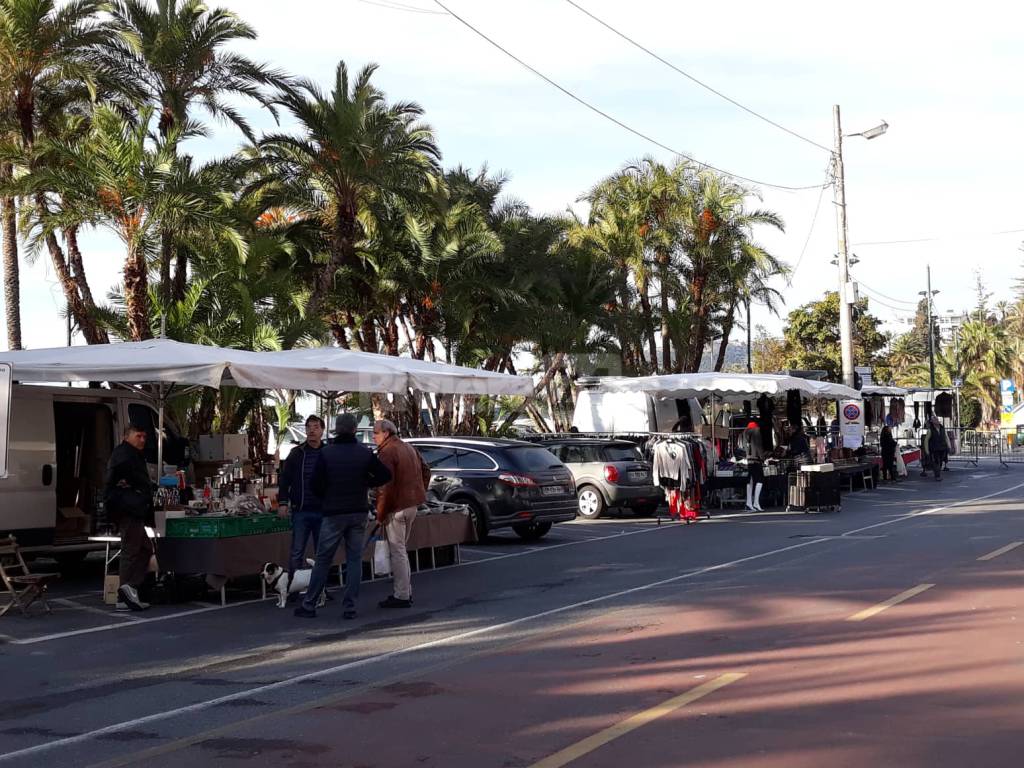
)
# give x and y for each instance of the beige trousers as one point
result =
(398, 527)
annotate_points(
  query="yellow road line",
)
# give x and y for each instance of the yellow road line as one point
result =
(599, 739)
(867, 613)
(1001, 551)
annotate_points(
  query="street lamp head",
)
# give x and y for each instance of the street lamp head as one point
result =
(874, 133)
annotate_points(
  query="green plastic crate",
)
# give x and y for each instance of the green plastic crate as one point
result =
(223, 526)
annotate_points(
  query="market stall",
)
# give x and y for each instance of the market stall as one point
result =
(764, 474)
(168, 367)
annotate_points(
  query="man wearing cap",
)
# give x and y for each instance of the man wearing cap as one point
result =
(128, 499)
(344, 473)
(397, 503)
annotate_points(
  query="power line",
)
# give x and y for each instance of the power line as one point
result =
(890, 298)
(609, 117)
(938, 239)
(402, 7)
(690, 77)
(814, 219)
(900, 310)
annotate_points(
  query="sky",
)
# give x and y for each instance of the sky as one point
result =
(944, 76)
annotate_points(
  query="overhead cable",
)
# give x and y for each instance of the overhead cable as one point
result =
(395, 6)
(940, 238)
(690, 77)
(609, 117)
(810, 231)
(890, 298)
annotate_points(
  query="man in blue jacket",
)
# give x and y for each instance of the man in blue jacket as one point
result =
(295, 494)
(344, 474)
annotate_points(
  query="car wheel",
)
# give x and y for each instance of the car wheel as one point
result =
(476, 514)
(645, 510)
(589, 502)
(531, 531)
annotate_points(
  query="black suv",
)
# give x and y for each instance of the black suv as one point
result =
(505, 483)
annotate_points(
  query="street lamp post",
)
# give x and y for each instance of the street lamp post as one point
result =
(845, 292)
(931, 328)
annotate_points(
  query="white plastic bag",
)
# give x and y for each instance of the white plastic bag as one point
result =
(381, 558)
(901, 467)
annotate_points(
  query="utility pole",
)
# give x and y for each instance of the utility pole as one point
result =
(843, 257)
(749, 368)
(931, 333)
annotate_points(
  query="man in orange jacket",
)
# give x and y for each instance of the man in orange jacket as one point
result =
(396, 504)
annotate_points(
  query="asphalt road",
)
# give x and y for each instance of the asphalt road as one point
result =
(888, 634)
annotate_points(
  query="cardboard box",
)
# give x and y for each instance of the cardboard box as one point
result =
(223, 447)
(110, 584)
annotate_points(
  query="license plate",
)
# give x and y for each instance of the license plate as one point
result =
(552, 490)
(638, 476)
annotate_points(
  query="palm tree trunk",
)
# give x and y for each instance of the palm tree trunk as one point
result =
(698, 323)
(12, 289)
(537, 390)
(648, 324)
(180, 284)
(727, 324)
(666, 341)
(93, 332)
(136, 294)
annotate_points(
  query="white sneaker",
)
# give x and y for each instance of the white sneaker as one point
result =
(130, 597)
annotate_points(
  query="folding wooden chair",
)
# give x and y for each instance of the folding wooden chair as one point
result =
(24, 586)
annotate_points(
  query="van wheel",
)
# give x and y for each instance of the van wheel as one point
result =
(531, 531)
(476, 515)
(589, 503)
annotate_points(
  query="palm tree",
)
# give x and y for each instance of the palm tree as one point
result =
(353, 150)
(44, 50)
(172, 55)
(122, 178)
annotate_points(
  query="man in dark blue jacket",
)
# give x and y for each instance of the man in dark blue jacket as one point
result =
(344, 474)
(295, 494)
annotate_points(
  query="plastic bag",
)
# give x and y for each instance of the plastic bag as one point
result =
(381, 558)
(901, 467)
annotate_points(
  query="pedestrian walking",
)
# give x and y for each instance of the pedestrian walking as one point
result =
(397, 502)
(344, 473)
(128, 499)
(295, 490)
(888, 445)
(938, 446)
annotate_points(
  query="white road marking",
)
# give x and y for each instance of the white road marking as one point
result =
(260, 690)
(178, 614)
(109, 613)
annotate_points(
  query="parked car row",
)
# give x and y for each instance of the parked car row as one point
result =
(529, 486)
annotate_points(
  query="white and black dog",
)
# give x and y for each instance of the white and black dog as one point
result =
(276, 578)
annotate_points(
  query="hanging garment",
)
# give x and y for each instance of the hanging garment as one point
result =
(766, 411)
(869, 415)
(944, 406)
(928, 411)
(794, 406)
(917, 415)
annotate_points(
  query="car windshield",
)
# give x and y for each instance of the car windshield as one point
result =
(622, 453)
(532, 459)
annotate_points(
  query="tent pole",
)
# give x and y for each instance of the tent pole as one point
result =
(160, 435)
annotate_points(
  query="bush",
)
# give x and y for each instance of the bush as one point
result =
(970, 413)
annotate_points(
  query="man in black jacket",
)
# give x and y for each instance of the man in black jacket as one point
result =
(296, 494)
(128, 497)
(344, 473)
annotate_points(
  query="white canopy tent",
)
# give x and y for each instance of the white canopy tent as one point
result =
(729, 387)
(167, 363)
(876, 390)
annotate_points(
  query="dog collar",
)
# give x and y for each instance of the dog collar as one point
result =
(277, 578)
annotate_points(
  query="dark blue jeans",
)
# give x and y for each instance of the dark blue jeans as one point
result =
(304, 526)
(336, 528)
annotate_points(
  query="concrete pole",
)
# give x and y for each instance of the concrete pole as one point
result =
(843, 257)
(749, 368)
(931, 333)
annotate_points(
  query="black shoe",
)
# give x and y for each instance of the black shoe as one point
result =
(394, 602)
(351, 614)
(305, 613)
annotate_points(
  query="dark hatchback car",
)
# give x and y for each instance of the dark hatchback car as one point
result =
(505, 483)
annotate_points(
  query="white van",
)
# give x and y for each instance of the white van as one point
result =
(619, 412)
(59, 441)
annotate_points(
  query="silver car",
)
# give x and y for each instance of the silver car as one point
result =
(608, 473)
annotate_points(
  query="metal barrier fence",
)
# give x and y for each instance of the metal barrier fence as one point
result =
(975, 445)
